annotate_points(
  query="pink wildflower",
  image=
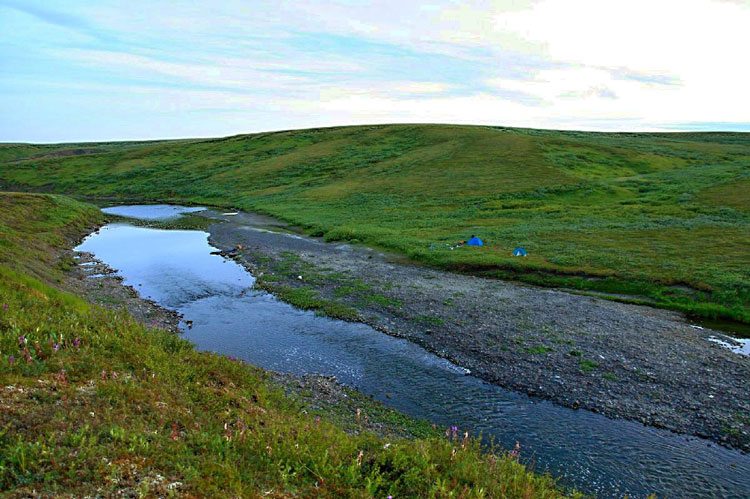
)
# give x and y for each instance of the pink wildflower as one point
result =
(516, 451)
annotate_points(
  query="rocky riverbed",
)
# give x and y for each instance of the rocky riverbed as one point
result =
(622, 360)
(322, 396)
(100, 284)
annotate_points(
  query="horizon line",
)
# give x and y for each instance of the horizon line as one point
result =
(666, 129)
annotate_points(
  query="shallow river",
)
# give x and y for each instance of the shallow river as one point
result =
(595, 454)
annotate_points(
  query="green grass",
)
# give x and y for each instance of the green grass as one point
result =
(539, 350)
(290, 267)
(30, 225)
(307, 298)
(383, 301)
(430, 320)
(586, 365)
(187, 221)
(119, 408)
(656, 218)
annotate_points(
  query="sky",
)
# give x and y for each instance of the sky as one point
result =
(109, 70)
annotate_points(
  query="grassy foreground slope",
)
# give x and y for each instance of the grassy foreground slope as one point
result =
(660, 216)
(93, 403)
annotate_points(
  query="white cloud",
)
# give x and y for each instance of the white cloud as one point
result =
(232, 73)
(554, 84)
(477, 109)
(592, 64)
(699, 43)
(659, 36)
(423, 87)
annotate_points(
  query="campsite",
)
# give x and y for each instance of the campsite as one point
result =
(374, 249)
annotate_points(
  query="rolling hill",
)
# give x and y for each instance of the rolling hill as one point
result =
(657, 218)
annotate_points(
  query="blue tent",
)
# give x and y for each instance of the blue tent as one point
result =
(474, 241)
(519, 251)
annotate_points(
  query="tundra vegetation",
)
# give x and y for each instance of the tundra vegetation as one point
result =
(656, 218)
(95, 403)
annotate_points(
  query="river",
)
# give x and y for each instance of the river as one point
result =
(597, 455)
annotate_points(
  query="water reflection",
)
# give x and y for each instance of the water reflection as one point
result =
(586, 450)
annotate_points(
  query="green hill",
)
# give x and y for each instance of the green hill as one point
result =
(661, 218)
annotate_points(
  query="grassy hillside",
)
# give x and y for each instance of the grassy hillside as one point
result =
(662, 217)
(94, 403)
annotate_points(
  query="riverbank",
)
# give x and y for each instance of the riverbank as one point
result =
(319, 396)
(621, 360)
(96, 403)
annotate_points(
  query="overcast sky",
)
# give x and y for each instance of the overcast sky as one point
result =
(102, 70)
